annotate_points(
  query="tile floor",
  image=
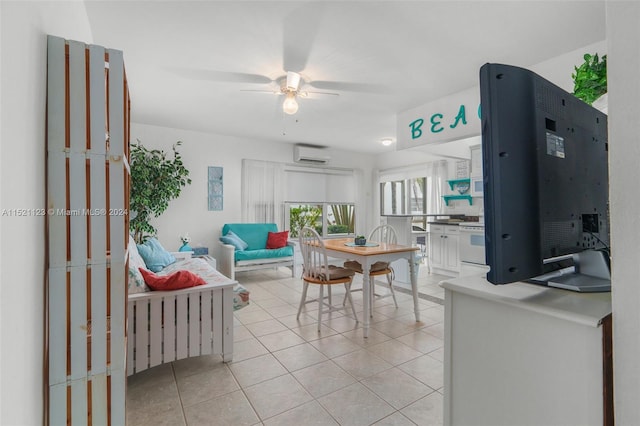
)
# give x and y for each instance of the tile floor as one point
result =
(286, 373)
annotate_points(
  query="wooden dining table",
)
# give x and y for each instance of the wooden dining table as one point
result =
(343, 248)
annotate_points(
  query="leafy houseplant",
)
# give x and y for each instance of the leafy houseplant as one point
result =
(590, 78)
(155, 180)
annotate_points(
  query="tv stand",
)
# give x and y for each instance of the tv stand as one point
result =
(591, 274)
(581, 283)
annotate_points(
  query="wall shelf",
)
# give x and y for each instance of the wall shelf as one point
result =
(454, 182)
(448, 198)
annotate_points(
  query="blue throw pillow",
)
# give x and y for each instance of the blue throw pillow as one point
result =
(234, 240)
(154, 255)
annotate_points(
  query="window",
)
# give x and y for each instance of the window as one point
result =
(326, 218)
(392, 200)
(417, 195)
(404, 196)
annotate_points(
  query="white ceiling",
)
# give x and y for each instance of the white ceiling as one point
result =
(189, 62)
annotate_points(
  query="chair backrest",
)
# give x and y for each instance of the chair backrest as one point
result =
(314, 255)
(383, 234)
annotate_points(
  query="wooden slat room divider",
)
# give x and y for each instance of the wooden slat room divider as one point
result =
(87, 222)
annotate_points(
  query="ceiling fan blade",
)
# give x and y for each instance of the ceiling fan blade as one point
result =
(351, 87)
(305, 93)
(222, 76)
(299, 32)
(273, 92)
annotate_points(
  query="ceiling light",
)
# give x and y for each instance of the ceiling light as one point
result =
(386, 141)
(290, 106)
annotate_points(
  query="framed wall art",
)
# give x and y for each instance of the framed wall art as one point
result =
(215, 188)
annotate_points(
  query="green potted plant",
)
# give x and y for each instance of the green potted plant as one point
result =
(590, 78)
(155, 180)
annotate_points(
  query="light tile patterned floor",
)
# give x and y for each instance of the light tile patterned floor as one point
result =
(286, 373)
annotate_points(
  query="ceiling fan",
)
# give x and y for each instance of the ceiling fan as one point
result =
(300, 27)
(290, 86)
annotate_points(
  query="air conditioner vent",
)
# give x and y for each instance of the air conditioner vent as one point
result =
(311, 155)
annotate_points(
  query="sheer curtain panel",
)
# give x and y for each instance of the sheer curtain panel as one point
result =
(262, 191)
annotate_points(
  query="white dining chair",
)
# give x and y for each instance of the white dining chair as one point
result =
(318, 271)
(380, 234)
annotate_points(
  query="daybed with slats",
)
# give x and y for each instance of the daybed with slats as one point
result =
(165, 326)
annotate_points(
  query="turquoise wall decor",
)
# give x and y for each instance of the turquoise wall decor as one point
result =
(215, 188)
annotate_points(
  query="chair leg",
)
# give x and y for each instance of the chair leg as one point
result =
(347, 287)
(303, 299)
(393, 293)
(320, 303)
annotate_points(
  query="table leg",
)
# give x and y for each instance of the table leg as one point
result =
(366, 300)
(414, 286)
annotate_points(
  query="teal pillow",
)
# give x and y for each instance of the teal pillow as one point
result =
(234, 240)
(154, 255)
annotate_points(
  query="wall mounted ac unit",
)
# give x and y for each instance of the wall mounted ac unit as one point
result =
(307, 154)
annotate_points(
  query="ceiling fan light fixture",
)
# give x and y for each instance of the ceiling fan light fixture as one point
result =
(290, 106)
(386, 141)
(293, 80)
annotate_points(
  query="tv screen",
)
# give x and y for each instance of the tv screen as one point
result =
(545, 166)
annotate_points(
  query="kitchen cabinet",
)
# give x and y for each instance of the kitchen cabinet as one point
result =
(444, 241)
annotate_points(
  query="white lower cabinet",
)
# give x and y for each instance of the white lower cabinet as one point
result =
(443, 249)
(524, 354)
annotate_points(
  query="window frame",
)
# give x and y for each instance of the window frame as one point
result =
(326, 213)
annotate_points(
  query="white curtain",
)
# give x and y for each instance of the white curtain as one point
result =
(262, 192)
(437, 175)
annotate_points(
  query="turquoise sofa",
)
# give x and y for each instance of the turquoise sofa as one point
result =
(256, 255)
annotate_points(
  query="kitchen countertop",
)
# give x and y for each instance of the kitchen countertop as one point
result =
(454, 221)
(444, 222)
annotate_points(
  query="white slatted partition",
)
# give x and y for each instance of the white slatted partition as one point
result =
(87, 201)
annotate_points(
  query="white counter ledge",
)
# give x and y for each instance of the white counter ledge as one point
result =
(584, 308)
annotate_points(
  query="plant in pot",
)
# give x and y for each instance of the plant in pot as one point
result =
(590, 78)
(155, 180)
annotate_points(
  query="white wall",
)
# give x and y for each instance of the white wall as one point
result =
(189, 212)
(623, 69)
(24, 27)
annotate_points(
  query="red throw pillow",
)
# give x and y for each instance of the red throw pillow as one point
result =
(276, 240)
(174, 281)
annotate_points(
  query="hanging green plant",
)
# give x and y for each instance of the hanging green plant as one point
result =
(155, 180)
(590, 78)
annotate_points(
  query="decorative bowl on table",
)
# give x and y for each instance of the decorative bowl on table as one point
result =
(360, 240)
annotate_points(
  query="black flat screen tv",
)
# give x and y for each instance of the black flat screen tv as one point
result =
(546, 186)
